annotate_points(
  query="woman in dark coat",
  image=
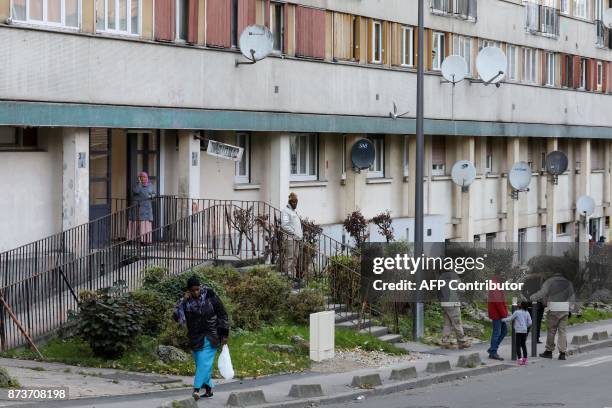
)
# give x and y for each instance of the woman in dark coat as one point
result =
(141, 216)
(208, 328)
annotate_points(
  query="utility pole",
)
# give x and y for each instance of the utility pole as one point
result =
(418, 309)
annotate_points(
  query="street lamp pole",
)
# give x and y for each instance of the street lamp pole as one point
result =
(418, 309)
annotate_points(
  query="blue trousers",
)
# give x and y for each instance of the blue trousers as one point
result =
(204, 360)
(500, 329)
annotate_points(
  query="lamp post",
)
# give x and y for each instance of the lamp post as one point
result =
(418, 309)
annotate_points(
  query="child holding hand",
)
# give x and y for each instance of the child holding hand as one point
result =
(522, 323)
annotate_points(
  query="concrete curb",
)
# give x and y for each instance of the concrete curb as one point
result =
(389, 388)
(591, 346)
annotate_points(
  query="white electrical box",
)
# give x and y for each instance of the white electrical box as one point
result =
(322, 335)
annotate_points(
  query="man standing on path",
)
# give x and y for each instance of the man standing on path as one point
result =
(558, 294)
(292, 229)
(451, 311)
(497, 311)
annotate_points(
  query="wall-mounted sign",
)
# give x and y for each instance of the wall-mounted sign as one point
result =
(224, 151)
(82, 159)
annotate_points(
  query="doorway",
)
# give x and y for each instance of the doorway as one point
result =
(143, 155)
(100, 202)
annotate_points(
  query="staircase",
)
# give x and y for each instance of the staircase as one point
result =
(351, 321)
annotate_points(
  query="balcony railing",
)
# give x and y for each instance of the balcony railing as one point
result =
(541, 19)
(603, 35)
(463, 9)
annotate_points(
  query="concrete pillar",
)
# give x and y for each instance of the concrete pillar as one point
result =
(75, 177)
(409, 181)
(280, 162)
(584, 186)
(551, 200)
(188, 167)
(467, 216)
(355, 180)
(512, 205)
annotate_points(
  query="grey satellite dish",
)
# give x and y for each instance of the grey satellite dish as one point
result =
(463, 173)
(491, 64)
(362, 154)
(454, 68)
(556, 162)
(256, 42)
(520, 176)
(607, 17)
(585, 205)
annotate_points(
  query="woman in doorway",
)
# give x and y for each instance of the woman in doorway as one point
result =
(141, 215)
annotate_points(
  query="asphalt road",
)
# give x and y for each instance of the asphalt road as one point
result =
(582, 381)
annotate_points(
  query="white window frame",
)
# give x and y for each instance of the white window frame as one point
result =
(438, 169)
(580, 8)
(44, 21)
(462, 46)
(116, 30)
(599, 75)
(407, 37)
(583, 73)
(177, 23)
(310, 174)
(482, 43)
(564, 6)
(529, 65)
(437, 49)
(406, 156)
(512, 57)
(246, 158)
(377, 57)
(280, 31)
(550, 68)
(377, 169)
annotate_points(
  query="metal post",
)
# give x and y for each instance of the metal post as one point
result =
(535, 328)
(513, 352)
(417, 311)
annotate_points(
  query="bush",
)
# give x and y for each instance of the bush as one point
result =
(344, 280)
(226, 277)
(259, 298)
(300, 305)
(109, 322)
(154, 309)
(153, 275)
(172, 288)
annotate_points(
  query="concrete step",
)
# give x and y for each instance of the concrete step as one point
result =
(375, 331)
(353, 324)
(391, 338)
(344, 316)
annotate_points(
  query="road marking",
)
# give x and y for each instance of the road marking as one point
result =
(591, 362)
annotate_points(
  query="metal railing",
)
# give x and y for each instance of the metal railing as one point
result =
(602, 33)
(541, 19)
(464, 9)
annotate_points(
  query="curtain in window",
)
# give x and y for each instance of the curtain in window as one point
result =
(310, 32)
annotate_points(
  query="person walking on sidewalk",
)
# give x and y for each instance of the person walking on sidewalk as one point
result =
(451, 311)
(497, 312)
(522, 323)
(558, 294)
(291, 225)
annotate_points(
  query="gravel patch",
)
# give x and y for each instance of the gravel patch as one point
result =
(349, 360)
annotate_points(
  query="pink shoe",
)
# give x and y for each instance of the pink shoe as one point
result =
(519, 361)
(525, 362)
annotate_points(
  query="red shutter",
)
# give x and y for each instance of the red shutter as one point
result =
(604, 80)
(165, 20)
(192, 24)
(246, 14)
(543, 62)
(589, 75)
(577, 71)
(267, 13)
(310, 32)
(218, 23)
(563, 69)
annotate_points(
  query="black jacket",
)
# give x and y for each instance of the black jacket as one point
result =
(206, 319)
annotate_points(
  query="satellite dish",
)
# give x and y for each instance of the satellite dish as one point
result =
(463, 173)
(491, 64)
(556, 162)
(362, 154)
(520, 176)
(585, 205)
(607, 17)
(256, 42)
(454, 68)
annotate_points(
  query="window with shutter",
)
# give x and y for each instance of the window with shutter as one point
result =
(165, 20)
(186, 20)
(277, 26)
(438, 156)
(343, 36)
(597, 154)
(245, 12)
(309, 32)
(407, 46)
(437, 50)
(376, 41)
(377, 169)
(218, 23)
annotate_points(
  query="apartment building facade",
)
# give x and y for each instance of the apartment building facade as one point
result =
(94, 91)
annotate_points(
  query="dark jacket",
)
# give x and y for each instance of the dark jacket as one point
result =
(205, 318)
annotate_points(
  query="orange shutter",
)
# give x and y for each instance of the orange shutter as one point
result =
(165, 20)
(370, 50)
(563, 58)
(577, 71)
(246, 14)
(267, 13)
(192, 24)
(604, 80)
(385, 39)
(218, 23)
(357, 38)
(429, 49)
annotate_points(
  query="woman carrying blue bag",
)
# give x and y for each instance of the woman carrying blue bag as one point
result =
(208, 328)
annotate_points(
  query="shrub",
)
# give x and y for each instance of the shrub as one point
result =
(172, 334)
(357, 227)
(153, 275)
(300, 305)
(154, 309)
(109, 322)
(226, 277)
(384, 222)
(172, 288)
(344, 279)
(260, 297)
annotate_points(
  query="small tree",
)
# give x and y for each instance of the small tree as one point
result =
(311, 232)
(243, 221)
(383, 221)
(357, 227)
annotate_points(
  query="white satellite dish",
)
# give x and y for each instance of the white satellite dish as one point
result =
(491, 64)
(607, 17)
(256, 42)
(454, 68)
(585, 205)
(463, 173)
(520, 176)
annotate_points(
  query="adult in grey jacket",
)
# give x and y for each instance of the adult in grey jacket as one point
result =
(141, 215)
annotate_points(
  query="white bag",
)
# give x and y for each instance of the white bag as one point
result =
(224, 364)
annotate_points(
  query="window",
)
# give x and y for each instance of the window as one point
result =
(234, 25)
(182, 19)
(550, 69)
(583, 73)
(564, 6)
(488, 43)
(18, 138)
(343, 160)
(511, 55)
(406, 156)
(377, 169)
(599, 75)
(243, 167)
(304, 157)
(356, 37)
(489, 155)
(277, 25)
(580, 8)
(48, 12)
(407, 46)
(568, 80)
(438, 156)
(120, 16)
(529, 65)
(490, 240)
(437, 51)
(563, 228)
(377, 44)
(463, 46)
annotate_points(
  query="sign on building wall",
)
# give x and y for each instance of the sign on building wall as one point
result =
(224, 151)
